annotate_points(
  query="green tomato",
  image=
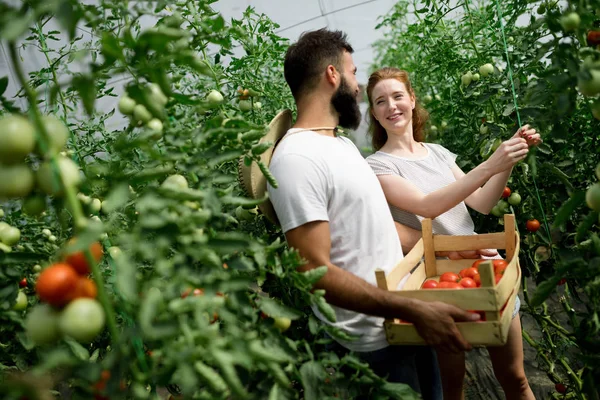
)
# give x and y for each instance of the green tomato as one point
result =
(214, 98)
(95, 206)
(245, 105)
(176, 181)
(46, 232)
(17, 139)
(486, 69)
(141, 113)
(69, 173)
(156, 95)
(114, 252)
(483, 129)
(598, 171)
(37, 268)
(434, 128)
(514, 199)
(589, 86)
(1, 213)
(503, 206)
(58, 135)
(475, 77)
(592, 197)
(257, 105)
(21, 302)
(437, 97)
(156, 126)
(82, 319)
(10, 235)
(126, 105)
(427, 98)
(466, 79)
(282, 323)
(570, 22)
(15, 181)
(496, 211)
(34, 205)
(444, 125)
(41, 325)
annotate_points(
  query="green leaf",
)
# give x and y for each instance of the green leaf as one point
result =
(3, 84)
(111, 49)
(16, 26)
(68, 17)
(125, 279)
(544, 290)
(117, 198)
(565, 211)
(584, 227)
(273, 308)
(399, 391)
(86, 87)
(78, 350)
(314, 275)
(325, 309)
(312, 375)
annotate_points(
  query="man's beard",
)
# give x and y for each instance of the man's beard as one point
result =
(344, 102)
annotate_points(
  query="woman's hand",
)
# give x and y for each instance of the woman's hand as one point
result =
(529, 134)
(508, 154)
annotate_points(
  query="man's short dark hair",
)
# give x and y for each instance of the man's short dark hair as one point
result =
(307, 59)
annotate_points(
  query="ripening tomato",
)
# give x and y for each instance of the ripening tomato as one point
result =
(533, 225)
(506, 192)
(78, 261)
(85, 288)
(83, 319)
(500, 266)
(23, 283)
(477, 262)
(468, 283)
(469, 272)
(449, 277)
(429, 284)
(56, 284)
(560, 388)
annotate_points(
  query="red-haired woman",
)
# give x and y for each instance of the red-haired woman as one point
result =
(421, 180)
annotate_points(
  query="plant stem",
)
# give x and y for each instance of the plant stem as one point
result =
(73, 204)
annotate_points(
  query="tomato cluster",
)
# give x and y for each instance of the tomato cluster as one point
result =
(70, 300)
(18, 138)
(140, 115)
(467, 278)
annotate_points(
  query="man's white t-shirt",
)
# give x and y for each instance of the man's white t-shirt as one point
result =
(324, 178)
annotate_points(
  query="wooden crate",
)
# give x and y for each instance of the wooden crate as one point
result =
(490, 297)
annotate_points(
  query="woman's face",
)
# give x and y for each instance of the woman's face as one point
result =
(392, 105)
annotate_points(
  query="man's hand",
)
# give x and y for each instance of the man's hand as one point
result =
(435, 322)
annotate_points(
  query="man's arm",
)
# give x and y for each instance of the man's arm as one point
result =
(433, 320)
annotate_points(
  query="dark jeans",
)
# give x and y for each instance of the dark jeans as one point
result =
(415, 366)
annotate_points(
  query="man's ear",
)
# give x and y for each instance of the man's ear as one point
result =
(331, 74)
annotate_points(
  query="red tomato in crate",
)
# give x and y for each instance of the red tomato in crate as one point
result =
(469, 272)
(498, 277)
(477, 279)
(500, 266)
(449, 277)
(449, 285)
(477, 262)
(429, 284)
(468, 283)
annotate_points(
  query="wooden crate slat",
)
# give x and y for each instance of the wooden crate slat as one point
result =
(470, 242)
(428, 244)
(467, 299)
(476, 333)
(416, 279)
(511, 235)
(405, 266)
